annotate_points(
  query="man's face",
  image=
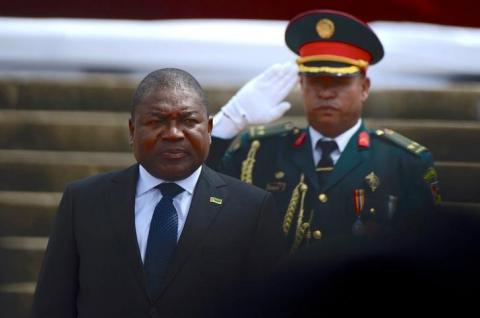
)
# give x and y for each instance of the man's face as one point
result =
(333, 104)
(170, 133)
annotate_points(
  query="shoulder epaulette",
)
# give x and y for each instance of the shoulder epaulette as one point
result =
(261, 131)
(401, 141)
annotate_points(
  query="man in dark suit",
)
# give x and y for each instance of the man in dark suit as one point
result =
(166, 237)
(335, 178)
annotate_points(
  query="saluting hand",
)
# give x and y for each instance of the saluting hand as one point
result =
(259, 101)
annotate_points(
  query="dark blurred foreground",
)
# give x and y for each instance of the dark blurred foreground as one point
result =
(437, 271)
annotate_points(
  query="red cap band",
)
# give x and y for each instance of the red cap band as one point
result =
(334, 48)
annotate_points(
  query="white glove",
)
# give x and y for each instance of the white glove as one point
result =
(260, 101)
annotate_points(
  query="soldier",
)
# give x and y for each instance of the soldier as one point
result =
(335, 178)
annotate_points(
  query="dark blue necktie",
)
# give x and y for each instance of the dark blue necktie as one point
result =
(162, 238)
(325, 165)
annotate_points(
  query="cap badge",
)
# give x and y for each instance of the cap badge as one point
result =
(325, 28)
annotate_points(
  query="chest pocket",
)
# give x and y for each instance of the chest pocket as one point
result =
(375, 210)
(380, 207)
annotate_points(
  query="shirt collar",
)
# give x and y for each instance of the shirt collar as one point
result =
(341, 140)
(146, 181)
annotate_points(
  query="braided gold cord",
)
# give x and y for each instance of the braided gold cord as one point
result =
(249, 162)
(292, 206)
(302, 226)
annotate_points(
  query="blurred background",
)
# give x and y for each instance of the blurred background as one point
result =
(68, 71)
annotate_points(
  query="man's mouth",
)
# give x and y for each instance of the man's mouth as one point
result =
(171, 154)
(326, 108)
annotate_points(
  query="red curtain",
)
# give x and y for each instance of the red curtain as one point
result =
(458, 12)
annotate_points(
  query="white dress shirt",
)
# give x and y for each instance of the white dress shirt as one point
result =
(147, 198)
(341, 140)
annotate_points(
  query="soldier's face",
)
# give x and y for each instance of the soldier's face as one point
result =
(333, 104)
(170, 133)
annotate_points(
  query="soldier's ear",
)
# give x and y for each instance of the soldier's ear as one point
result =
(301, 80)
(365, 88)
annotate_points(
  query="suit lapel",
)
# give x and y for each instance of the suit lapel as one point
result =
(200, 217)
(350, 158)
(120, 203)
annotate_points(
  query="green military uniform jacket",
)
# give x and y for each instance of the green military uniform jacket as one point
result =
(381, 183)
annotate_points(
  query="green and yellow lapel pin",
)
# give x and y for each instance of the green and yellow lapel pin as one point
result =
(215, 200)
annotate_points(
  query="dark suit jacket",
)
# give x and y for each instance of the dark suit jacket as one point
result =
(92, 267)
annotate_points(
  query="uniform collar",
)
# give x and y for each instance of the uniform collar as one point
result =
(146, 181)
(341, 140)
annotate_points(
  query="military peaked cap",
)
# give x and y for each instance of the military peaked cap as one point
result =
(332, 43)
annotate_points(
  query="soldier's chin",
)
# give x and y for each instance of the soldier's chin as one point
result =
(328, 128)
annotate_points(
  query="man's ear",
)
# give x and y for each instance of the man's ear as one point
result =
(301, 80)
(210, 127)
(131, 128)
(365, 88)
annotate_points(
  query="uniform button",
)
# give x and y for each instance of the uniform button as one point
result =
(323, 197)
(317, 234)
(372, 211)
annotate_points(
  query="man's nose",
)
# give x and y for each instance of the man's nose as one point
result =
(325, 92)
(172, 131)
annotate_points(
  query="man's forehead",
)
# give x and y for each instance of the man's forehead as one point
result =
(327, 78)
(168, 109)
(165, 106)
(173, 96)
(172, 93)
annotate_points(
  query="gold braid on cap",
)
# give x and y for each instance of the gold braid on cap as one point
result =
(325, 69)
(332, 58)
(247, 164)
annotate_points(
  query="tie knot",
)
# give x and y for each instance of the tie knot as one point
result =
(170, 189)
(327, 146)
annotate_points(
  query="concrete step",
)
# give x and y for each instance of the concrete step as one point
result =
(459, 180)
(64, 130)
(447, 140)
(449, 104)
(16, 299)
(21, 258)
(92, 94)
(113, 94)
(89, 94)
(108, 131)
(27, 213)
(27, 170)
